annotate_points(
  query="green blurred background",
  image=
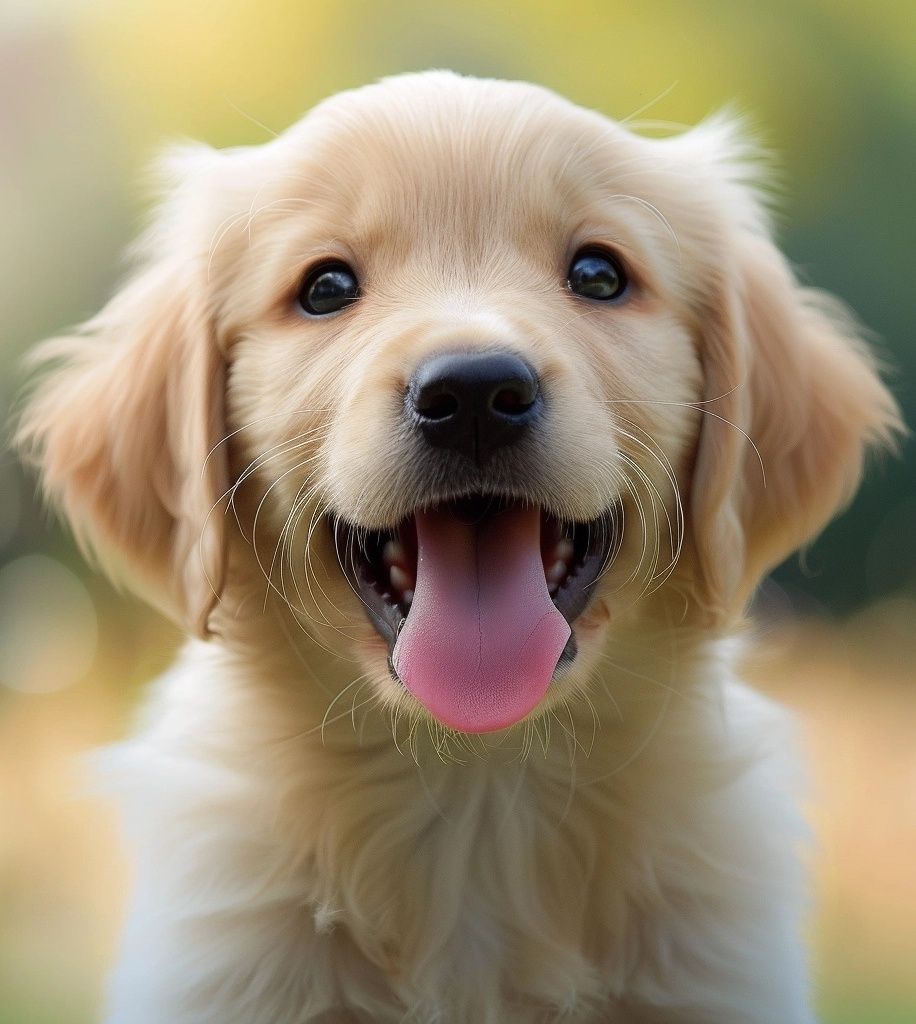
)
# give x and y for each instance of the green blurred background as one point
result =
(89, 89)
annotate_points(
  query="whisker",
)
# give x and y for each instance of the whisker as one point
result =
(705, 412)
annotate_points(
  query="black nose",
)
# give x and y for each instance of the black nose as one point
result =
(474, 402)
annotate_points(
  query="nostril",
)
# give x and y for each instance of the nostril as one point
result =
(473, 402)
(512, 401)
(437, 406)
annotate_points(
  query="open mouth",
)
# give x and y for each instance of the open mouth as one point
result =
(476, 599)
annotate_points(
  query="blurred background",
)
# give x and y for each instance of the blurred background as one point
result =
(89, 89)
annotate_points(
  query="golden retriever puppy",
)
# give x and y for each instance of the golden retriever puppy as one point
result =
(457, 425)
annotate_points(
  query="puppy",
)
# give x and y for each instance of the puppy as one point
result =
(456, 425)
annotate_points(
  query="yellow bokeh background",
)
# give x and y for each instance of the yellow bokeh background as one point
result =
(90, 89)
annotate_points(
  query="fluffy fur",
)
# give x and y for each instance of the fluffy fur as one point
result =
(309, 845)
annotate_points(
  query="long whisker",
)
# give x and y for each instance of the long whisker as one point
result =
(629, 119)
(705, 412)
(675, 545)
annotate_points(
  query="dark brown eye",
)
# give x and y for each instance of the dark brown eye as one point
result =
(594, 274)
(328, 288)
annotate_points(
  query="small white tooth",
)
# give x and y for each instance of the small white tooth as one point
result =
(563, 550)
(400, 580)
(393, 553)
(557, 571)
(407, 597)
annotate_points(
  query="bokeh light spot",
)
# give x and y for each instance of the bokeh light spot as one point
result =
(48, 626)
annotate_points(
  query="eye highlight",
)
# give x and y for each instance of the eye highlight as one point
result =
(327, 288)
(596, 274)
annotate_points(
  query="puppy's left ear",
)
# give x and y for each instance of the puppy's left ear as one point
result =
(125, 422)
(793, 404)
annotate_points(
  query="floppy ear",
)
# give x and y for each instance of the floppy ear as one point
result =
(793, 404)
(123, 426)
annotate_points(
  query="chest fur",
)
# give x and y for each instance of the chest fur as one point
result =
(514, 877)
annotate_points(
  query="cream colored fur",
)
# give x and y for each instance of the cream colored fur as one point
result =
(309, 846)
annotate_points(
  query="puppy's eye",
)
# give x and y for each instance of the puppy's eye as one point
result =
(328, 288)
(594, 274)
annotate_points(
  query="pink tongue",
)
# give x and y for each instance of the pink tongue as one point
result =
(483, 637)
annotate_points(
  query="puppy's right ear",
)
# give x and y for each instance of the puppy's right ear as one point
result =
(126, 420)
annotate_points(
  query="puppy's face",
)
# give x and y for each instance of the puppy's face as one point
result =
(487, 367)
(472, 383)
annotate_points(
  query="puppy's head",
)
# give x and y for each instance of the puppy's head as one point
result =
(484, 375)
